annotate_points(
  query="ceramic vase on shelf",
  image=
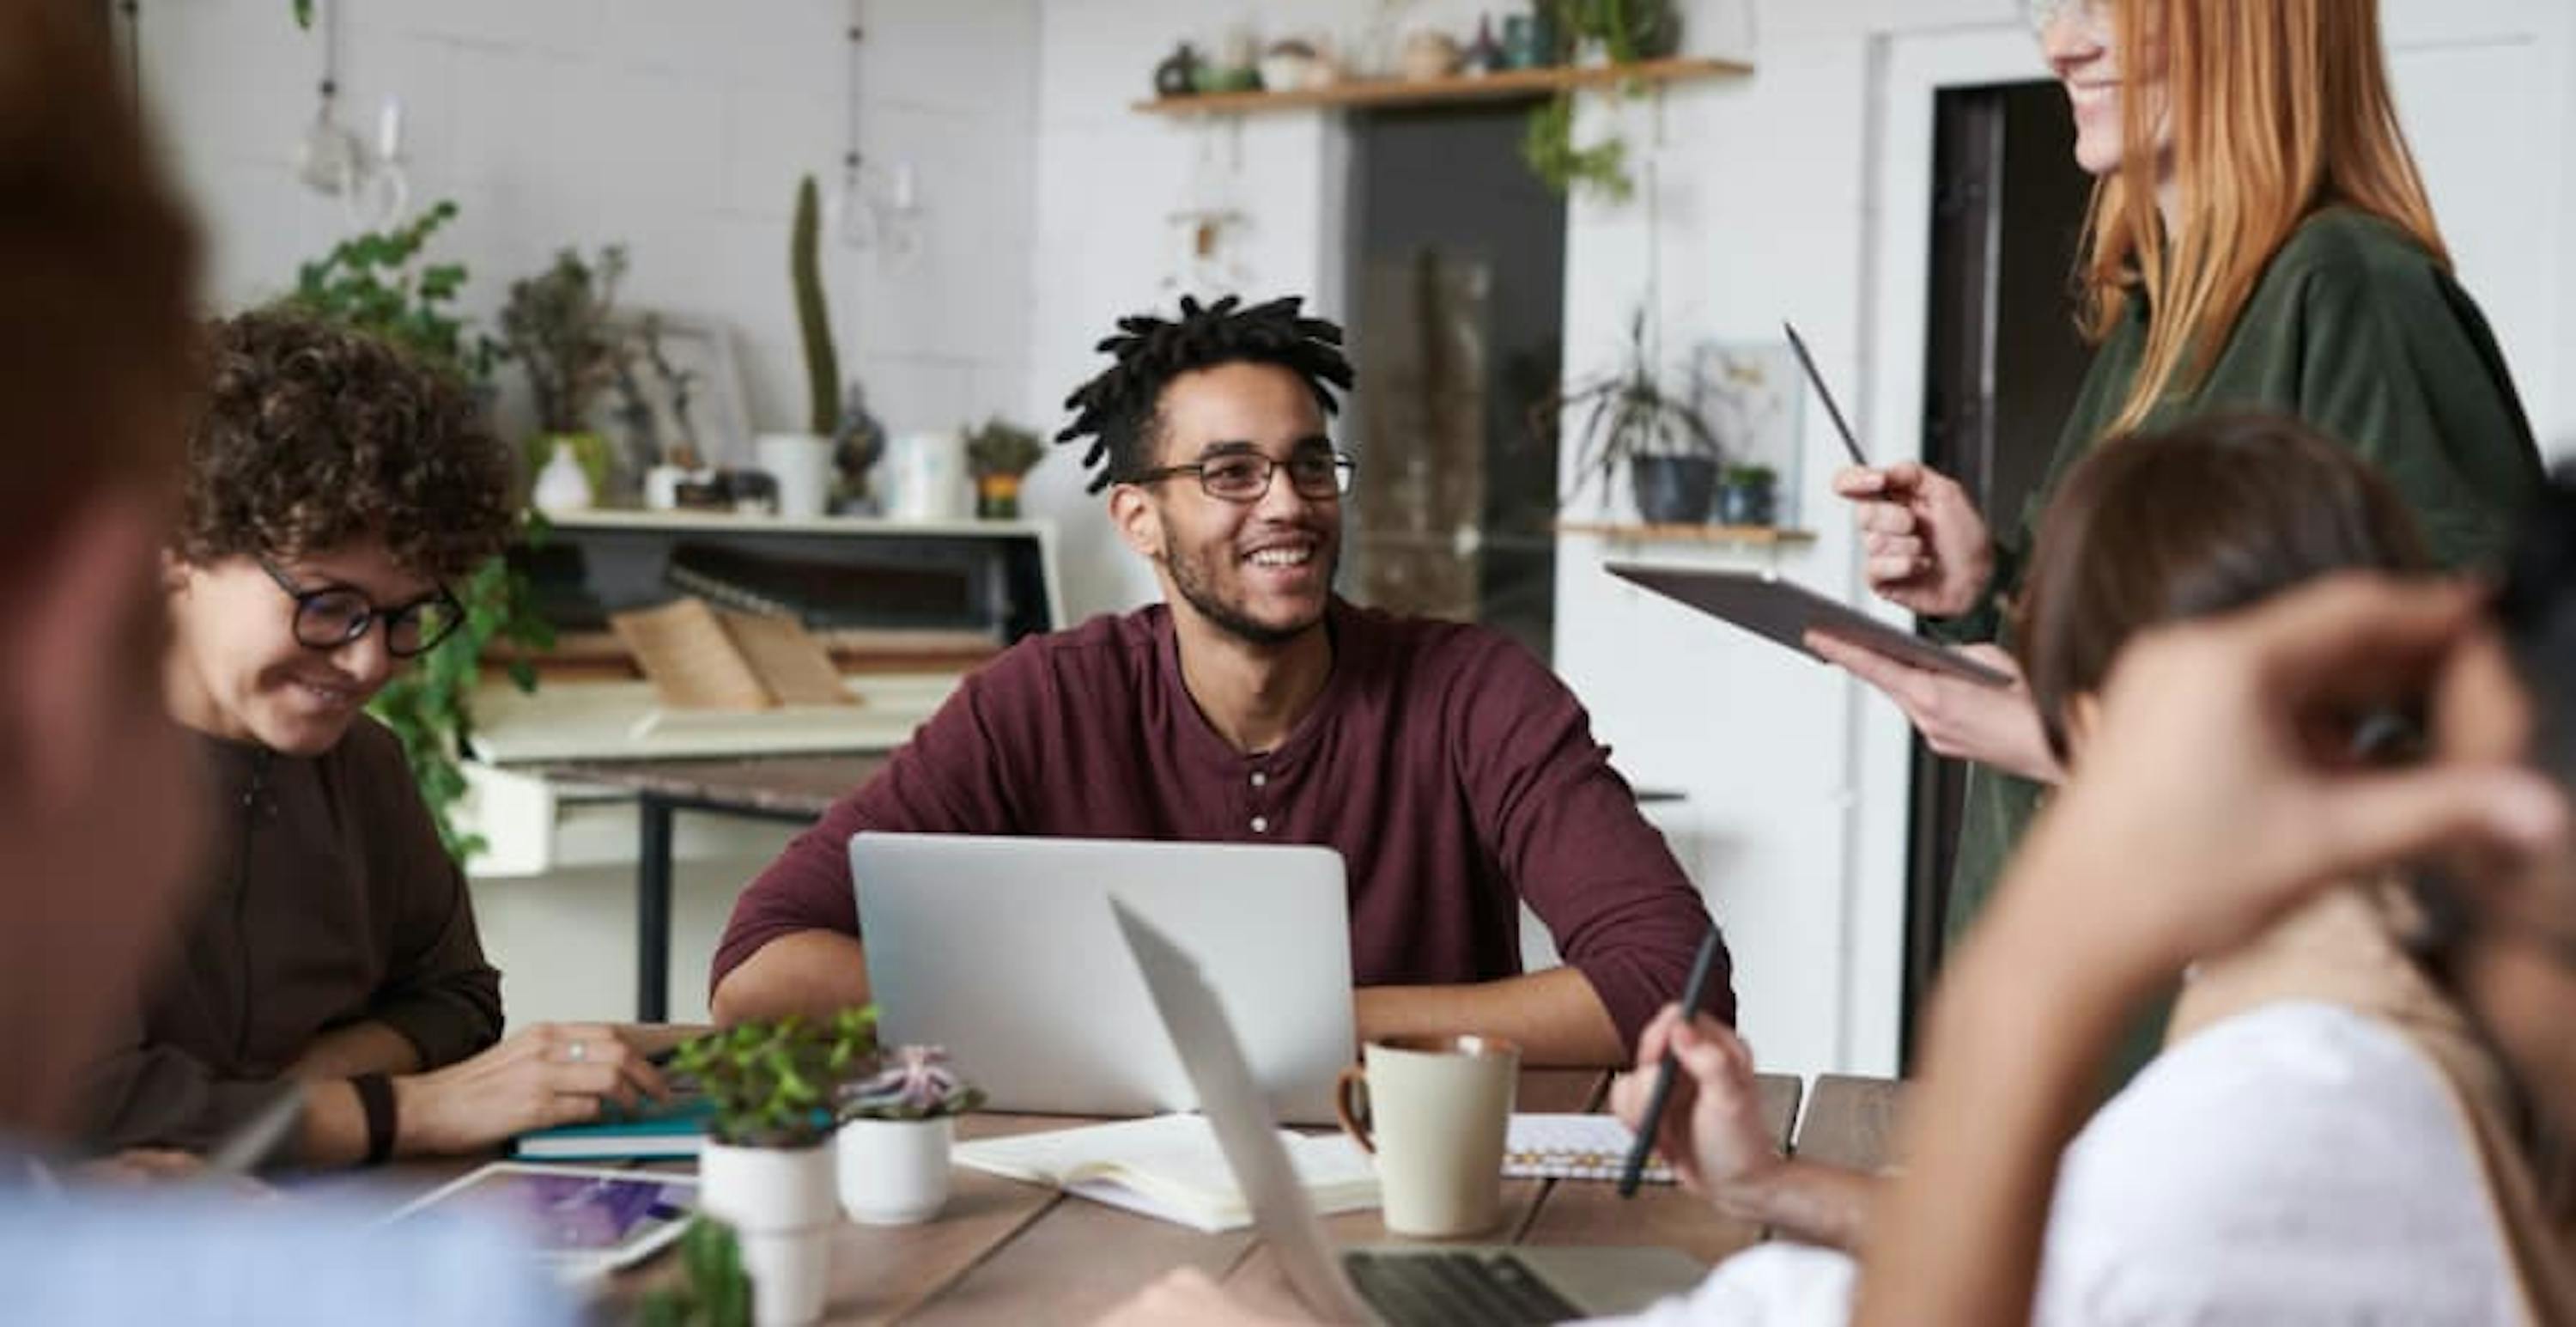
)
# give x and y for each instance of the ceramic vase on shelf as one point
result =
(895, 1172)
(782, 1205)
(801, 465)
(925, 477)
(562, 484)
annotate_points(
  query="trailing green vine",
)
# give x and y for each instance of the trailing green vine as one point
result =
(1628, 31)
(1548, 149)
(377, 283)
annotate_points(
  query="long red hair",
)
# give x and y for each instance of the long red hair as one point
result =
(2278, 108)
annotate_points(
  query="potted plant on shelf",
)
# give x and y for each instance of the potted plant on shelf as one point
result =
(766, 1169)
(1746, 496)
(1631, 420)
(555, 324)
(897, 1127)
(1000, 456)
(801, 463)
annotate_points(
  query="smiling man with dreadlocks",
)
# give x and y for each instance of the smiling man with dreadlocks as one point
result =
(1453, 773)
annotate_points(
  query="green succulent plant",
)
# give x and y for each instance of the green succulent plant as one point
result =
(777, 1083)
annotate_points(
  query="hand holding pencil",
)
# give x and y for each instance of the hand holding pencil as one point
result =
(1693, 1098)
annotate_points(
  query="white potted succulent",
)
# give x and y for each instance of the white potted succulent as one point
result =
(766, 1169)
(897, 1127)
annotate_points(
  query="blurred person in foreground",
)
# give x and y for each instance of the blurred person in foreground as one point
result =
(99, 809)
(2208, 813)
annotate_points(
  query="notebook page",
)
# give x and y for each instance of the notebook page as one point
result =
(1572, 1147)
(1171, 1167)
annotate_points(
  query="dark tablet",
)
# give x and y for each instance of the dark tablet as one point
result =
(1784, 612)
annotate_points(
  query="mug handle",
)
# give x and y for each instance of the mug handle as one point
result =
(1350, 1117)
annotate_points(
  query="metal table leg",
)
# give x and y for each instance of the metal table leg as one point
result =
(653, 910)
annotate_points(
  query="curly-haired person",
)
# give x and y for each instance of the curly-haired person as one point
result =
(1453, 774)
(334, 490)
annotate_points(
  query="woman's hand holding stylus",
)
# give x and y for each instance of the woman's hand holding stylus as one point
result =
(1925, 547)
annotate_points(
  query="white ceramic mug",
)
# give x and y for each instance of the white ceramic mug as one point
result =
(1438, 1109)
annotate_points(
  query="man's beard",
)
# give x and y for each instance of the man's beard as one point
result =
(1193, 583)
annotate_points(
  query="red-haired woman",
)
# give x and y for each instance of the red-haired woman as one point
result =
(2259, 239)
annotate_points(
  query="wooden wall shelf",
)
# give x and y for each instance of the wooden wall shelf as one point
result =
(1507, 84)
(1757, 536)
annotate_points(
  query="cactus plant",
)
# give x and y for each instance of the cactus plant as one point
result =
(805, 266)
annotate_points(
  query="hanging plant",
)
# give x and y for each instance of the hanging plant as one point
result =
(1627, 32)
(1548, 149)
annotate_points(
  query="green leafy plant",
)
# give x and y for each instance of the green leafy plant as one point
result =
(714, 1290)
(556, 325)
(1629, 31)
(1627, 413)
(910, 1083)
(813, 319)
(1000, 448)
(1749, 476)
(379, 283)
(1548, 149)
(303, 12)
(776, 1084)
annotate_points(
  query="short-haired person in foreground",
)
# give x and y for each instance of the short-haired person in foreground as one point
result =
(2208, 810)
(2295, 1154)
(100, 809)
(334, 489)
(1456, 777)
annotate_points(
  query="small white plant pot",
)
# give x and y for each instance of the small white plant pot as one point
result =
(895, 1172)
(780, 1203)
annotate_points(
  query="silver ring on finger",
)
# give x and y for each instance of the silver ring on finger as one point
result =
(577, 1052)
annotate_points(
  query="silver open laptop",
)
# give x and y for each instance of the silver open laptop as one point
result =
(1401, 1286)
(1003, 951)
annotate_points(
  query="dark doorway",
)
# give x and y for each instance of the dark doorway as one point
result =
(1457, 284)
(2002, 365)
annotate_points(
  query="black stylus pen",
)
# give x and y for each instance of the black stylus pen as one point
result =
(1692, 994)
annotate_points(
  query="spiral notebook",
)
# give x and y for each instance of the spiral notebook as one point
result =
(1572, 1147)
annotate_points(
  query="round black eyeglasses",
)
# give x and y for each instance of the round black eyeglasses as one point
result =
(330, 616)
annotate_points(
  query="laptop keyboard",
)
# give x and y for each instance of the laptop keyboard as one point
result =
(1439, 1289)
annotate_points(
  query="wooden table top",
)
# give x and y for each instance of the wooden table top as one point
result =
(773, 785)
(1004, 1251)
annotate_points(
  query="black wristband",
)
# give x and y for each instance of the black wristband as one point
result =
(376, 1099)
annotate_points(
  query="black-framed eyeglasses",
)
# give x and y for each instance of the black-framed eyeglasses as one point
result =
(330, 616)
(1245, 476)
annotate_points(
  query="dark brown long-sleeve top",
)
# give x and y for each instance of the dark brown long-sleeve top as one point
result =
(1453, 773)
(326, 900)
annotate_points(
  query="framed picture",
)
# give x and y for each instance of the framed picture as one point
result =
(1753, 397)
(678, 394)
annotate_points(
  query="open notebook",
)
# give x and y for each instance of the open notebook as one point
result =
(1573, 1147)
(1170, 1167)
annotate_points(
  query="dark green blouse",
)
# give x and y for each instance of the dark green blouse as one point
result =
(2354, 329)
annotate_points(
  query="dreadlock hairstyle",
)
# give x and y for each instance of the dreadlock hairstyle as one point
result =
(1117, 410)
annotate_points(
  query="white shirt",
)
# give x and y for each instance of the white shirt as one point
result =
(2295, 1164)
